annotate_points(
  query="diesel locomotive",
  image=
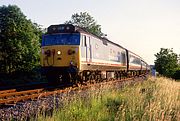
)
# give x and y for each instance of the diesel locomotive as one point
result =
(70, 53)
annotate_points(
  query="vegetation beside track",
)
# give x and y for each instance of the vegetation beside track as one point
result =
(154, 99)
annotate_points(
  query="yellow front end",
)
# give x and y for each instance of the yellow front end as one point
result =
(60, 56)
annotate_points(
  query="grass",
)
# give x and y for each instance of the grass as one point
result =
(154, 99)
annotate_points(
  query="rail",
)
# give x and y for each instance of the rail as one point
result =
(7, 91)
(12, 97)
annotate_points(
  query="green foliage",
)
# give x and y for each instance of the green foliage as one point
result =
(150, 100)
(84, 20)
(166, 62)
(19, 41)
(177, 75)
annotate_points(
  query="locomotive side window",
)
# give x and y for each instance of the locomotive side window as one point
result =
(84, 44)
(84, 41)
(89, 39)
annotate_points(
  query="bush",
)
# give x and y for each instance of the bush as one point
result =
(177, 75)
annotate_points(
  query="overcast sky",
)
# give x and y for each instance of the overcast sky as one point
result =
(142, 26)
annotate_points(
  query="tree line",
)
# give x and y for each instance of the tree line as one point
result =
(167, 63)
(19, 41)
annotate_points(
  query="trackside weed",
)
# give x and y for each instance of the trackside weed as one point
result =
(153, 99)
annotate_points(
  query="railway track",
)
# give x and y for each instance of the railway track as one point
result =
(13, 96)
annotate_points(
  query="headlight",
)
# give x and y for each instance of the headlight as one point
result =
(59, 52)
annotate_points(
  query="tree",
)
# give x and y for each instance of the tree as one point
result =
(166, 62)
(84, 20)
(19, 41)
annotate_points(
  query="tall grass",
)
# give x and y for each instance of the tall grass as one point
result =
(154, 99)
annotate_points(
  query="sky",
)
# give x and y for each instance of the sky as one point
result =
(142, 26)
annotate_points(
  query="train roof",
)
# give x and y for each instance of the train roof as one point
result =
(81, 30)
(103, 38)
(69, 28)
(54, 29)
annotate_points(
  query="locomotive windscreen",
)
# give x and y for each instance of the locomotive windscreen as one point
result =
(61, 39)
(62, 28)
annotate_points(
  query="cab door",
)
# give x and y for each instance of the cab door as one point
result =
(88, 49)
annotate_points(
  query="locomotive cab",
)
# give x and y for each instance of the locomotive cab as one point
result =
(60, 53)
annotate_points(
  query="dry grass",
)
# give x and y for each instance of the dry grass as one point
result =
(154, 99)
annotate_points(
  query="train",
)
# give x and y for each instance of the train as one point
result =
(70, 53)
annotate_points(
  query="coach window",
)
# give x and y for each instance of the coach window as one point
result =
(119, 56)
(139, 61)
(123, 57)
